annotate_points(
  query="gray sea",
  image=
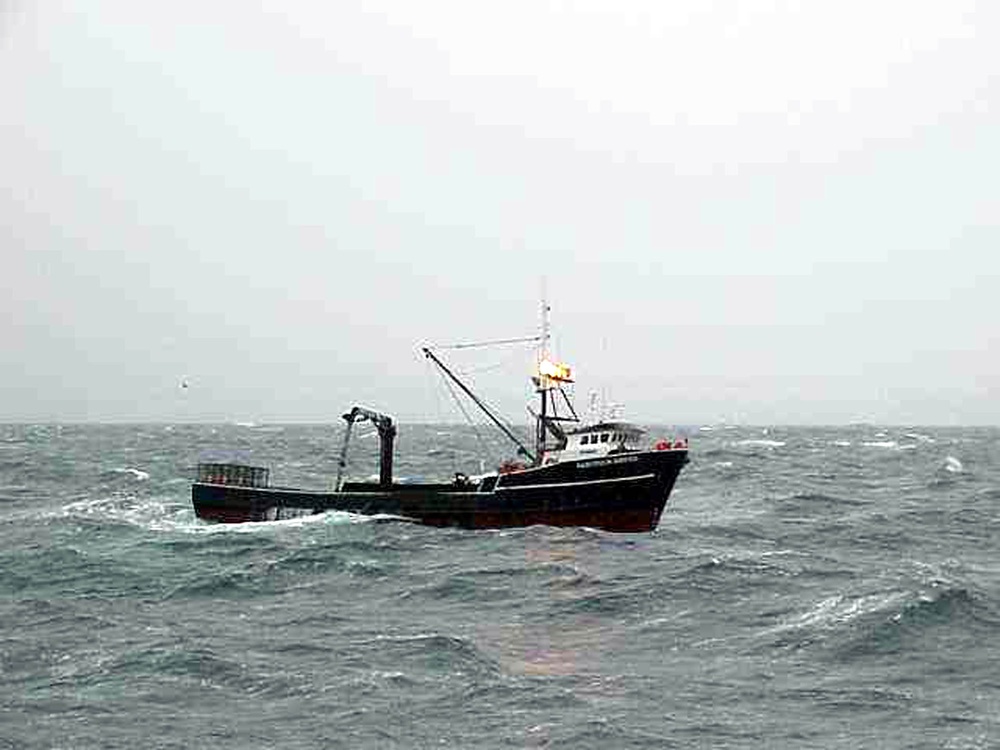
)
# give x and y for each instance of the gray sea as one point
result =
(806, 588)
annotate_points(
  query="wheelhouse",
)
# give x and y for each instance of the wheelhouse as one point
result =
(598, 439)
(611, 434)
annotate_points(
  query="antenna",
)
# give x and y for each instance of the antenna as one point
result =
(543, 348)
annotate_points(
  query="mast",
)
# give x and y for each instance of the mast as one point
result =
(543, 347)
(549, 378)
(543, 383)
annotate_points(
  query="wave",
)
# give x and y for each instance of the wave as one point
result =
(167, 514)
(607, 602)
(953, 465)
(904, 625)
(504, 583)
(432, 651)
(818, 499)
(155, 513)
(13, 493)
(761, 442)
(232, 583)
(725, 570)
(138, 474)
(599, 733)
(840, 609)
(209, 667)
(884, 622)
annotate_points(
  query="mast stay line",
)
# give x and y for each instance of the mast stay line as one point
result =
(486, 410)
(495, 342)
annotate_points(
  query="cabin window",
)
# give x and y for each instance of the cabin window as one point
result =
(585, 439)
(604, 437)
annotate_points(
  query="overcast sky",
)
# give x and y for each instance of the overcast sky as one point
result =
(759, 212)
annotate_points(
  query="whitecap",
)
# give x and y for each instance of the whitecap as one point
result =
(762, 443)
(842, 443)
(891, 444)
(149, 513)
(140, 476)
(331, 517)
(193, 525)
(953, 465)
(840, 609)
(167, 515)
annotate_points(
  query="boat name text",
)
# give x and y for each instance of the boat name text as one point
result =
(608, 462)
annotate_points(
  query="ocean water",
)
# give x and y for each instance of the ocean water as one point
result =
(806, 588)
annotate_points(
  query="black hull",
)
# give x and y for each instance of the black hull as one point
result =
(622, 492)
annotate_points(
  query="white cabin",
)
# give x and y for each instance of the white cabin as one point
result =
(598, 440)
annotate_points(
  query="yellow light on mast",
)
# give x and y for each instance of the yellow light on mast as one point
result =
(555, 371)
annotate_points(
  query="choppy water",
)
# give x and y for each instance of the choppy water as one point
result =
(820, 588)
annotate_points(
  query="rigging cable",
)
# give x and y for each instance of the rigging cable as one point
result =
(504, 427)
(495, 342)
(468, 418)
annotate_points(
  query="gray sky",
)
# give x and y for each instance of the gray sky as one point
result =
(764, 212)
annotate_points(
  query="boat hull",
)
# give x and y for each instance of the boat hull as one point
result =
(624, 492)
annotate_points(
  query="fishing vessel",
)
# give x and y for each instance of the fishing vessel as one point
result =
(601, 473)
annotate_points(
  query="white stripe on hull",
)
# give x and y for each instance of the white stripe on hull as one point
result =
(636, 478)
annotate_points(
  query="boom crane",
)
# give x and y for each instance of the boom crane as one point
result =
(386, 436)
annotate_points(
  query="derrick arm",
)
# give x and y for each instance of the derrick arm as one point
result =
(478, 402)
(386, 435)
